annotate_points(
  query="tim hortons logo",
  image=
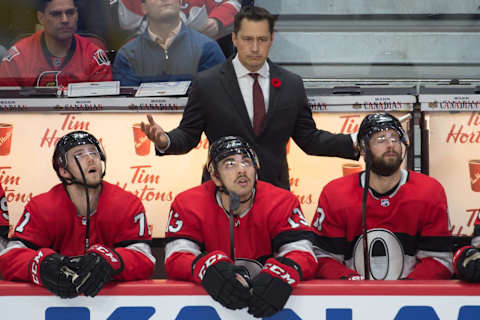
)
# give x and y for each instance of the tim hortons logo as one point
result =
(5, 138)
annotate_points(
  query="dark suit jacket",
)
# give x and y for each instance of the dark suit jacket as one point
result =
(216, 107)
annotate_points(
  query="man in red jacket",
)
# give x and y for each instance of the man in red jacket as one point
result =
(82, 233)
(55, 56)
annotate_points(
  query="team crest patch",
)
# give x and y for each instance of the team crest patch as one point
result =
(101, 57)
(12, 53)
(384, 202)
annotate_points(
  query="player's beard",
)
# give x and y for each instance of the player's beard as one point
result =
(386, 168)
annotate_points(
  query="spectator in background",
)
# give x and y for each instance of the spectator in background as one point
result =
(218, 25)
(168, 50)
(4, 221)
(406, 215)
(220, 15)
(56, 55)
(82, 233)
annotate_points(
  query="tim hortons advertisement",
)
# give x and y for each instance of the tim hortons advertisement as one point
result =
(454, 143)
(27, 141)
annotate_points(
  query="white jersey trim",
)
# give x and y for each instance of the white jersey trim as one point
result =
(181, 245)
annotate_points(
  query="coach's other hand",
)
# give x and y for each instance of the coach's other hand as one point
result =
(155, 133)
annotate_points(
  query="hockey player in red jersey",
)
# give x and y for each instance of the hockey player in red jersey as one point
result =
(55, 56)
(222, 251)
(72, 243)
(466, 260)
(4, 226)
(407, 222)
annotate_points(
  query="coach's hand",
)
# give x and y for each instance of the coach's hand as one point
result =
(467, 264)
(96, 268)
(155, 133)
(225, 282)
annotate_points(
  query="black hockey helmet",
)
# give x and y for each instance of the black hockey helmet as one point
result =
(377, 122)
(226, 146)
(67, 142)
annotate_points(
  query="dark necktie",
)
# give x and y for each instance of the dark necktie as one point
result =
(258, 105)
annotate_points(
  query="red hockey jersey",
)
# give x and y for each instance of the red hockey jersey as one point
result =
(50, 220)
(29, 64)
(408, 230)
(273, 226)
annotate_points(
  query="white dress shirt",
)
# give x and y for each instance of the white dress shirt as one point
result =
(245, 81)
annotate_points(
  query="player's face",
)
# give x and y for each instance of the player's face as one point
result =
(253, 42)
(386, 149)
(59, 19)
(161, 10)
(237, 174)
(89, 159)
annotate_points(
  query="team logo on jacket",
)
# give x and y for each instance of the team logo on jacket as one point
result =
(12, 53)
(384, 202)
(48, 79)
(101, 57)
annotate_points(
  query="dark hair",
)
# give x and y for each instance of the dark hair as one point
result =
(40, 5)
(254, 14)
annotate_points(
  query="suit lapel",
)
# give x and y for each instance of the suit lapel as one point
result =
(230, 83)
(275, 73)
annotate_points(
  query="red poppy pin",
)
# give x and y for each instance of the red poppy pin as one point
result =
(276, 83)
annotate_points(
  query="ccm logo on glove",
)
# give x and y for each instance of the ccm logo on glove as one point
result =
(281, 273)
(35, 267)
(211, 261)
(106, 252)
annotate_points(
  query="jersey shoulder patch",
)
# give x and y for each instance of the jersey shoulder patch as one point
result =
(101, 58)
(12, 53)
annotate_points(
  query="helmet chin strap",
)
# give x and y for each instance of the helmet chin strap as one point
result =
(70, 181)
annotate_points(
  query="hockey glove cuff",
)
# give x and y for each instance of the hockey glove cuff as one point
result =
(273, 286)
(467, 264)
(53, 271)
(96, 268)
(226, 283)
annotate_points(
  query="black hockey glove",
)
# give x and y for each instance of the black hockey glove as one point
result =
(96, 268)
(272, 287)
(226, 283)
(54, 272)
(467, 264)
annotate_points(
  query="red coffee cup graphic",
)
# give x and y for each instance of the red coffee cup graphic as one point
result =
(349, 168)
(6, 130)
(474, 166)
(142, 143)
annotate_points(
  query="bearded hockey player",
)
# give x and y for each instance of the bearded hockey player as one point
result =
(82, 233)
(407, 224)
(246, 241)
